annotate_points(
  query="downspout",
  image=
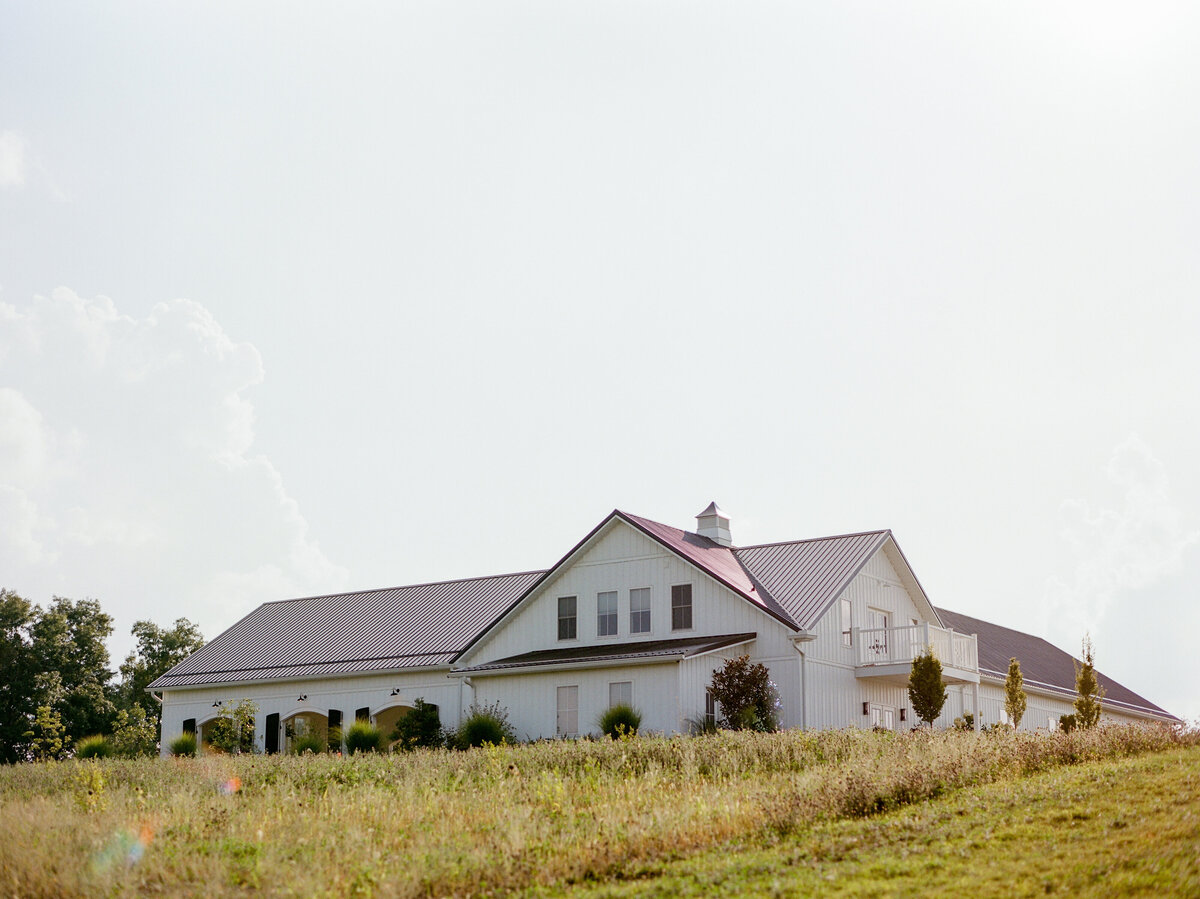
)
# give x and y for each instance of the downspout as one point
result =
(803, 637)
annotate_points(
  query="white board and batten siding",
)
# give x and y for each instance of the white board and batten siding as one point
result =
(531, 698)
(621, 559)
(835, 695)
(347, 694)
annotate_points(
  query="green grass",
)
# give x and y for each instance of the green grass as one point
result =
(1118, 828)
(507, 818)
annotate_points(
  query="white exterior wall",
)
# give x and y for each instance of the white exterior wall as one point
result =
(1042, 710)
(835, 695)
(532, 702)
(622, 559)
(345, 693)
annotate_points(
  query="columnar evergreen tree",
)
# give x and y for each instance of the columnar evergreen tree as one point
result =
(926, 690)
(1014, 693)
(1087, 703)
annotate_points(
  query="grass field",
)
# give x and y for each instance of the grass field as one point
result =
(732, 812)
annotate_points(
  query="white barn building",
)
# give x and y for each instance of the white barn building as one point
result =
(637, 612)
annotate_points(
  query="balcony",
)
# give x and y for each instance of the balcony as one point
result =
(888, 652)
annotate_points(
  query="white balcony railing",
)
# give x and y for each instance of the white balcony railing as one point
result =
(898, 645)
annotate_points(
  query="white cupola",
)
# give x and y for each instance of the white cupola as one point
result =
(714, 524)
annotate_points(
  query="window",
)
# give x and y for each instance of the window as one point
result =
(568, 712)
(847, 623)
(363, 714)
(566, 618)
(639, 611)
(710, 709)
(620, 693)
(606, 614)
(681, 607)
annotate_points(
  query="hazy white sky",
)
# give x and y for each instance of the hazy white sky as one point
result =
(302, 298)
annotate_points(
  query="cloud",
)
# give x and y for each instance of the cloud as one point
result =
(128, 471)
(1128, 547)
(12, 160)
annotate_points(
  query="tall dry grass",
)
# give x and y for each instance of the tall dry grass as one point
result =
(480, 822)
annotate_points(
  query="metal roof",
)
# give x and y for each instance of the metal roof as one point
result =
(680, 648)
(804, 577)
(371, 630)
(722, 562)
(1042, 663)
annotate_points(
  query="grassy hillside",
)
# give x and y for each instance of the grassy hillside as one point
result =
(492, 820)
(1129, 827)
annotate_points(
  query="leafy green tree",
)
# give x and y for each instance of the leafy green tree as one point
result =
(67, 640)
(233, 731)
(158, 650)
(17, 694)
(135, 733)
(48, 739)
(748, 698)
(1087, 703)
(926, 690)
(1014, 693)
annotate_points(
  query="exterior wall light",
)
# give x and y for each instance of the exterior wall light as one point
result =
(904, 714)
(303, 696)
(866, 707)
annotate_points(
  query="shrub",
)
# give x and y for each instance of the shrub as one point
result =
(363, 736)
(620, 720)
(421, 727)
(1014, 693)
(748, 699)
(183, 745)
(966, 722)
(1087, 704)
(1068, 723)
(483, 724)
(926, 691)
(96, 747)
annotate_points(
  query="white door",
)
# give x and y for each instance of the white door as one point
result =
(877, 641)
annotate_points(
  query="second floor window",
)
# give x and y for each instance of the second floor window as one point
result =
(606, 614)
(639, 611)
(846, 624)
(567, 627)
(681, 607)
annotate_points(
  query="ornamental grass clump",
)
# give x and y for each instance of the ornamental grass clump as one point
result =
(184, 745)
(363, 736)
(620, 721)
(96, 747)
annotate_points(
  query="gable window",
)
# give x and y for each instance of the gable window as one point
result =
(567, 628)
(606, 614)
(847, 622)
(681, 607)
(639, 611)
(568, 712)
(620, 693)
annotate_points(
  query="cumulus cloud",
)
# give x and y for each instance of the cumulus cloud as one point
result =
(127, 469)
(1120, 549)
(12, 160)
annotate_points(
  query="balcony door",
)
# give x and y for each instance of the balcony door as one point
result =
(877, 638)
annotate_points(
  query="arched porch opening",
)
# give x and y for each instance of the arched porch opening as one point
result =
(387, 718)
(305, 729)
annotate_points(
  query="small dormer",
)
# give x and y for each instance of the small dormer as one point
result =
(714, 524)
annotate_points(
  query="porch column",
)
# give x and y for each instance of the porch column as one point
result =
(975, 697)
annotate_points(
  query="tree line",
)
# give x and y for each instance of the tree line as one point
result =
(56, 686)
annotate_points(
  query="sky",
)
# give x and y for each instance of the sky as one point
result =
(302, 298)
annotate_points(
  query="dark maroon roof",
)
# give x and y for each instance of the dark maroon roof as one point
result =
(1042, 663)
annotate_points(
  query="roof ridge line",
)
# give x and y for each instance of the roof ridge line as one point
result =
(457, 580)
(811, 539)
